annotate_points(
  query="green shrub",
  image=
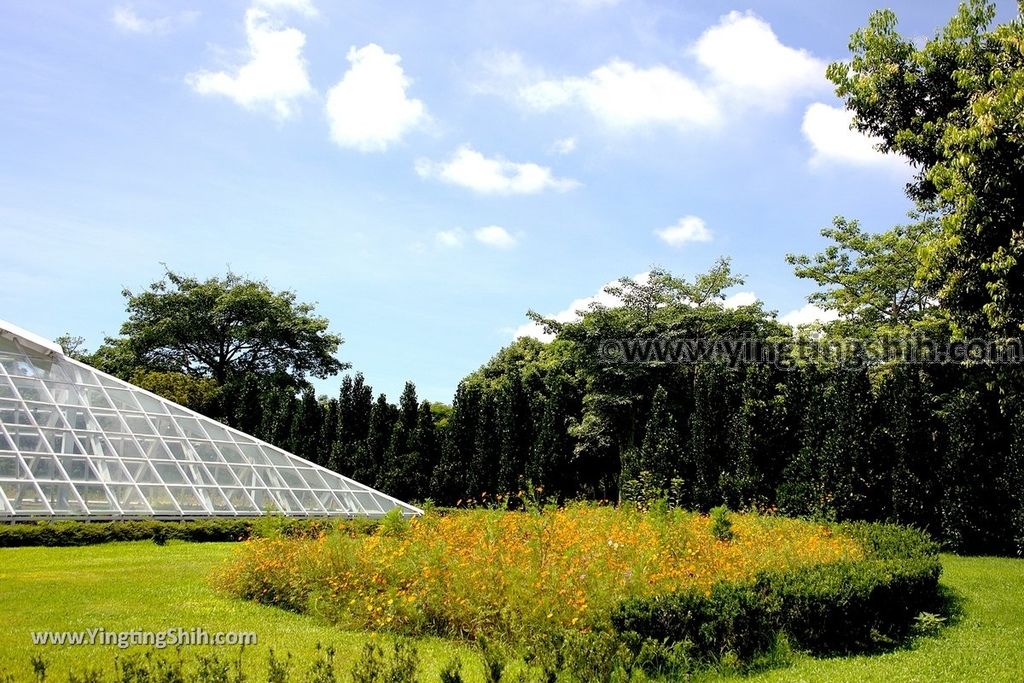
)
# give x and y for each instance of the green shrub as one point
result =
(721, 525)
(380, 664)
(824, 609)
(79, 533)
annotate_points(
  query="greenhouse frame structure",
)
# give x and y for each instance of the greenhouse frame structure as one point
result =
(76, 443)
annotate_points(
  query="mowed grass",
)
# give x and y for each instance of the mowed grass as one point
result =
(125, 586)
(144, 586)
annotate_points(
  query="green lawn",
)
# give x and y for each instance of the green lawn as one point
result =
(127, 586)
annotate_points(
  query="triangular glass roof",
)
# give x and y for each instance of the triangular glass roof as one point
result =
(75, 442)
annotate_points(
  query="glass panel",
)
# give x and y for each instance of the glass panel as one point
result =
(222, 475)
(42, 466)
(286, 500)
(94, 443)
(138, 423)
(332, 504)
(123, 399)
(64, 394)
(61, 441)
(5, 443)
(62, 498)
(187, 500)
(240, 501)
(216, 432)
(12, 413)
(124, 446)
(271, 477)
(165, 425)
(150, 404)
(266, 503)
(95, 398)
(78, 469)
(152, 448)
(368, 501)
(308, 501)
(79, 418)
(17, 366)
(30, 389)
(159, 499)
(110, 470)
(6, 390)
(179, 450)
(213, 500)
(275, 456)
(231, 453)
(109, 422)
(26, 439)
(291, 478)
(45, 415)
(95, 497)
(196, 474)
(141, 472)
(247, 476)
(312, 478)
(78, 374)
(189, 426)
(206, 451)
(23, 497)
(9, 467)
(169, 472)
(254, 455)
(129, 498)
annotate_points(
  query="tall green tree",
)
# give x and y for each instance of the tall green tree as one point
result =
(226, 327)
(953, 106)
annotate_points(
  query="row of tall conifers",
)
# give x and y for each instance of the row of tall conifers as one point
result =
(939, 447)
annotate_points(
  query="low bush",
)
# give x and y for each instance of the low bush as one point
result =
(79, 533)
(838, 607)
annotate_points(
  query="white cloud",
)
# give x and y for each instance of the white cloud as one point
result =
(495, 236)
(571, 312)
(275, 74)
(809, 313)
(471, 169)
(746, 61)
(126, 19)
(450, 239)
(740, 299)
(564, 146)
(622, 95)
(687, 229)
(368, 108)
(828, 130)
(304, 7)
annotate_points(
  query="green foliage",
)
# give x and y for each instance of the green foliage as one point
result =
(73, 533)
(871, 280)
(825, 609)
(953, 107)
(721, 525)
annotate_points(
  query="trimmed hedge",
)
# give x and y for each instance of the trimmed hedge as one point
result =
(827, 609)
(78, 533)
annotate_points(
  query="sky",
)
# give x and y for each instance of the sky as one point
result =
(425, 172)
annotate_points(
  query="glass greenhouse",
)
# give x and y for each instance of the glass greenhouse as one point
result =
(77, 443)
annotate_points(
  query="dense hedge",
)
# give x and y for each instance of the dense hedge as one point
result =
(825, 609)
(76, 533)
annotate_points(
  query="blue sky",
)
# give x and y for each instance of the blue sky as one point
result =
(425, 172)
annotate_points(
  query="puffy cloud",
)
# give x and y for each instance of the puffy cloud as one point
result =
(740, 299)
(274, 75)
(828, 130)
(746, 61)
(304, 7)
(571, 312)
(687, 229)
(126, 19)
(495, 236)
(450, 239)
(622, 95)
(471, 169)
(369, 108)
(807, 314)
(564, 146)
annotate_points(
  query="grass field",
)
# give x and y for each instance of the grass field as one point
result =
(144, 586)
